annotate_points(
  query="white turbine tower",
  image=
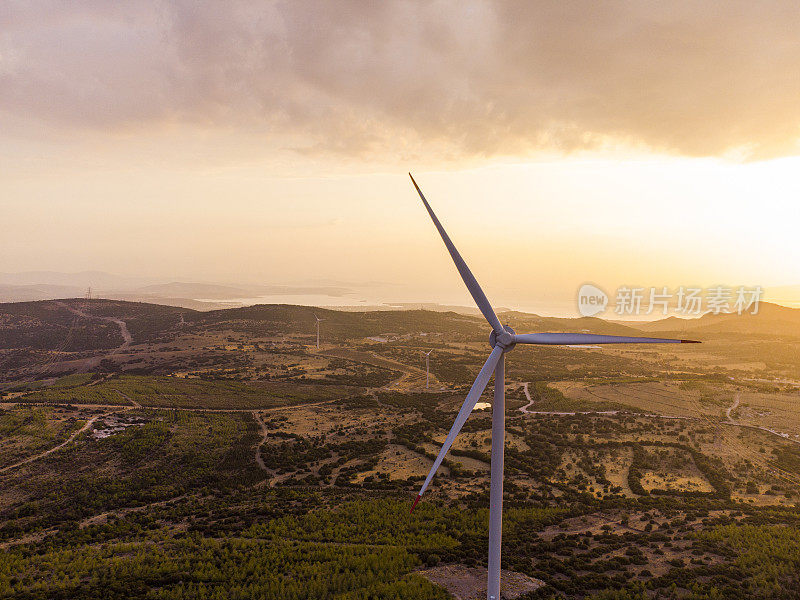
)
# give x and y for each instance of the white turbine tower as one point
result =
(318, 322)
(427, 367)
(502, 340)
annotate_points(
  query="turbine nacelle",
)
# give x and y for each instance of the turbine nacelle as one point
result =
(505, 339)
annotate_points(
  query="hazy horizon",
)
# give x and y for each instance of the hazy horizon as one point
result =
(323, 293)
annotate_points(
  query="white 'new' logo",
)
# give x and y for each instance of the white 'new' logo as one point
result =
(591, 300)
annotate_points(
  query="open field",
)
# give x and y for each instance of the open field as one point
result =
(776, 410)
(27, 431)
(173, 392)
(677, 399)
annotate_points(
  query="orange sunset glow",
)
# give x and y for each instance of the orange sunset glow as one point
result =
(625, 144)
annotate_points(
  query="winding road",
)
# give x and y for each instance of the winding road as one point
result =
(732, 408)
(264, 435)
(75, 434)
(525, 409)
(123, 327)
(127, 339)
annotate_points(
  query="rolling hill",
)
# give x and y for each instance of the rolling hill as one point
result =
(771, 320)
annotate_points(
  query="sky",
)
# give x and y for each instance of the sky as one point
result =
(618, 143)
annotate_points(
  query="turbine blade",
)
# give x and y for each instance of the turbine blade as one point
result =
(569, 339)
(466, 275)
(472, 398)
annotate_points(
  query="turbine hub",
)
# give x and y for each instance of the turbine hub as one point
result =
(505, 339)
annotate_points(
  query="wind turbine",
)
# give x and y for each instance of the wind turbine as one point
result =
(502, 340)
(427, 367)
(318, 322)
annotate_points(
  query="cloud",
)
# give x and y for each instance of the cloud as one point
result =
(414, 79)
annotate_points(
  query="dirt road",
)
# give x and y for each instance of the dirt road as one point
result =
(264, 435)
(86, 426)
(89, 364)
(129, 399)
(123, 327)
(527, 391)
(732, 408)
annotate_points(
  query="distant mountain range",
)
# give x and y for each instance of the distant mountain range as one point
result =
(45, 321)
(48, 285)
(225, 292)
(51, 285)
(79, 280)
(771, 319)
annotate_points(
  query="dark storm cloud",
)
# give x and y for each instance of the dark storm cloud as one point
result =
(466, 78)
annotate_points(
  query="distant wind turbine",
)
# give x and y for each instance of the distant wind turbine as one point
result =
(318, 322)
(427, 368)
(502, 340)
